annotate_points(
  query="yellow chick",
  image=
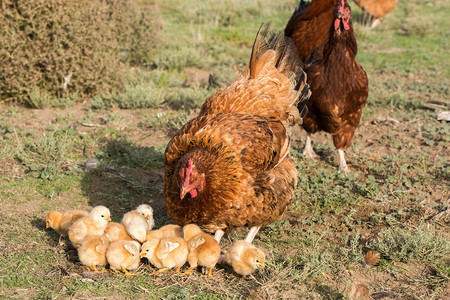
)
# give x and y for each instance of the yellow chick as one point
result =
(94, 224)
(165, 253)
(92, 252)
(116, 232)
(123, 255)
(136, 224)
(147, 212)
(61, 221)
(244, 257)
(170, 230)
(204, 250)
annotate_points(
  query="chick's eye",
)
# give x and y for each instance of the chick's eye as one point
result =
(102, 216)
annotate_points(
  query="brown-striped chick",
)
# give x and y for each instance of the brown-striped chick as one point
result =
(204, 250)
(94, 224)
(165, 253)
(116, 232)
(244, 257)
(61, 221)
(92, 252)
(170, 230)
(136, 224)
(123, 255)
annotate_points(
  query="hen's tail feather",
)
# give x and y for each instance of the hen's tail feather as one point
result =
(281, 51)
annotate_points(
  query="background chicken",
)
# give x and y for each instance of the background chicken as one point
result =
(377, 9)
(230, 166)
(339, 86)
(309, 25)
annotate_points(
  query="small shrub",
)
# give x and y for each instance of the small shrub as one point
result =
(52, 49)
(422, 244)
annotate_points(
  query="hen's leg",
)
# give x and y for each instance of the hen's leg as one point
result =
(342, 163)
(218, 235)
(308, 151)
(375, 23)
(252, 233)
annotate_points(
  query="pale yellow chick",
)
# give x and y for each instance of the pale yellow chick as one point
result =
(92, 252)
(123, 255)
(170, 230)
(94, 224)
(244, 257)
(204, 250)
(136, 224)
(116, 232)
(61, 221)
(147, 212)
(165, 253)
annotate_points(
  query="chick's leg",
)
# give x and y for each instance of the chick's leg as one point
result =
(127, 273)
(160, 271)
(178, 269)
(94, 267)
(218, 235)
(251, 234)
(308, 151)
(342, 163)
(188, 271)
(210, 271)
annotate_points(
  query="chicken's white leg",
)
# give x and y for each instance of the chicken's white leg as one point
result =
(375, 23)
(252, 233)
(218, 235)
(308, 151)
(342, 163)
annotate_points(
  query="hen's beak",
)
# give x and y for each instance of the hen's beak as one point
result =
(183, 192)
(339, 15)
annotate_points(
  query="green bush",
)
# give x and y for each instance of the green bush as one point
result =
(62, 48)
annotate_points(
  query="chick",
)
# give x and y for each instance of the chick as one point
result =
(116, 232)
(170, 230)
(244, 257)
(123, 255)
(94, 224)
(92, 252)
(61, 221)
(136, 223)
(165, 253)
(204, 250)
(147, 212)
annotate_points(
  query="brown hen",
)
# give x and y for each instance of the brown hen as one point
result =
(339, 86)
(309, 25)
(230, 166)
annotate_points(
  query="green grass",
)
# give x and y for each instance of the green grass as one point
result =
(392, 202)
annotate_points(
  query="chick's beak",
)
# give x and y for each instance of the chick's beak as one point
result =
(147, 216)
(142, 254)
(108, 219)
(47, 225)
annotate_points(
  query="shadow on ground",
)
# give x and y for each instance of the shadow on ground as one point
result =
(127, 175)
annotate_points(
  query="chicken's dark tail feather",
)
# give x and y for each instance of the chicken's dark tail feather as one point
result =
(287, 62)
